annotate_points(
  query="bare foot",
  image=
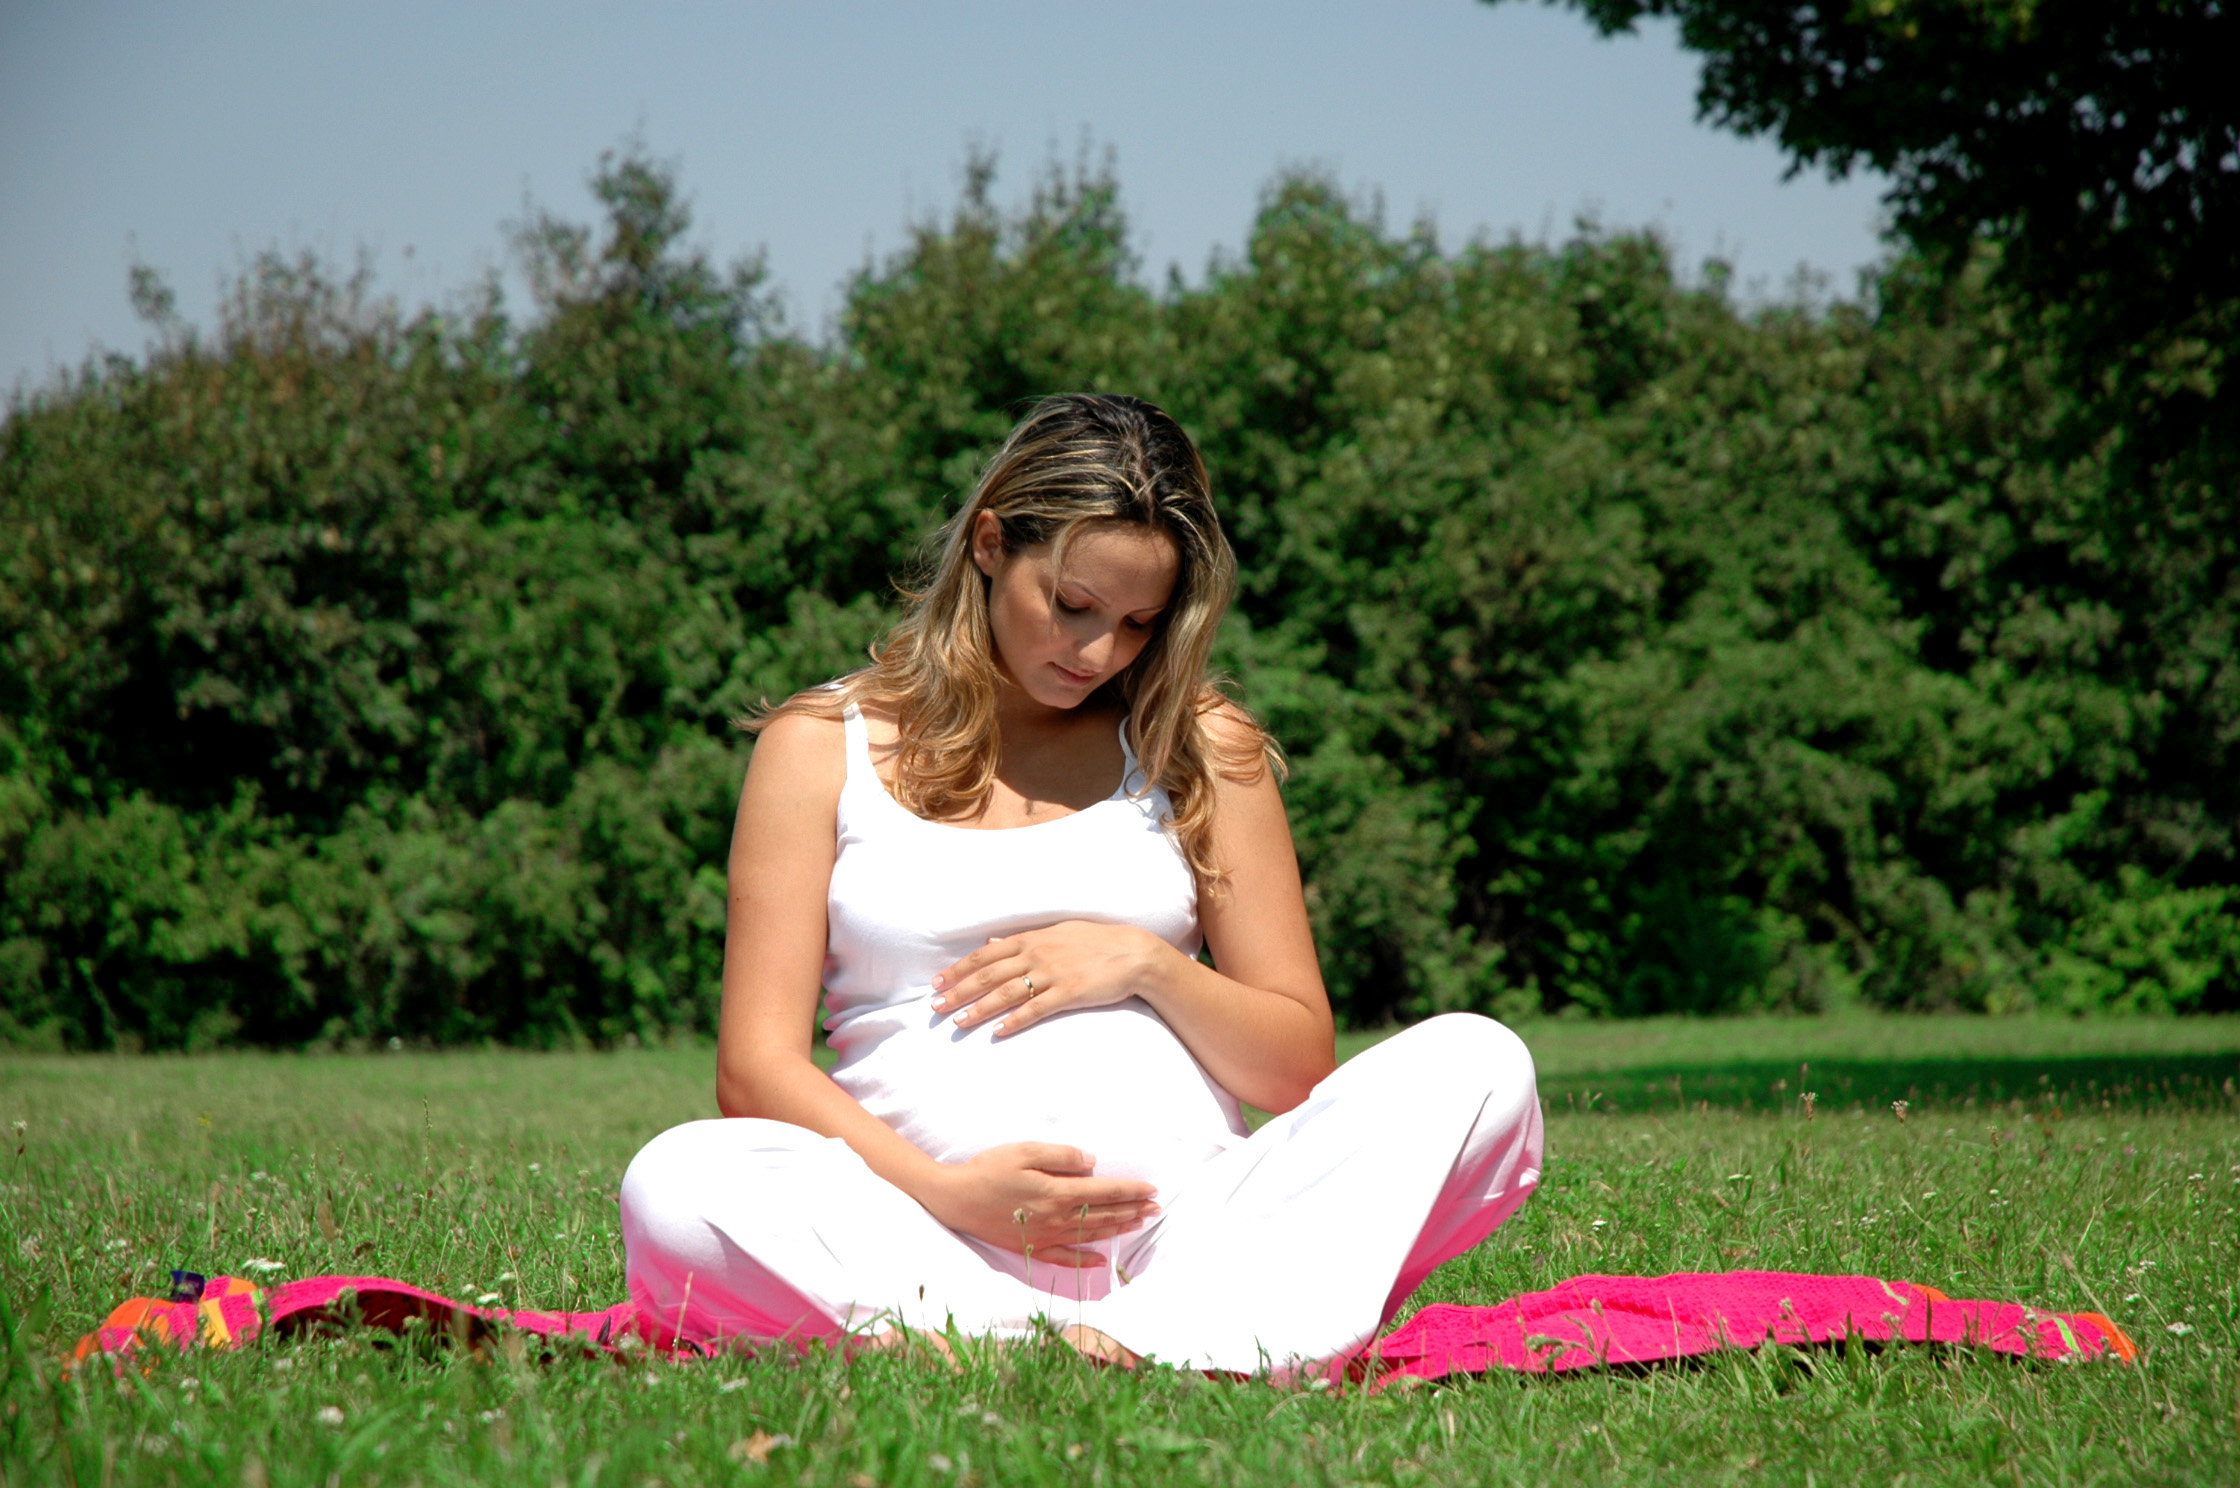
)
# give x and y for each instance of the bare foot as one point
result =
(1102, 1348)
(903, 1338)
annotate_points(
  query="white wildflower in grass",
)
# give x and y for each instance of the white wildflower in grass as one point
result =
(1598, 1224)
(263, 1265)
(329, 1415)
(940, 1463)
(485, 1299)
(2135, 1297)
(2179, 1330)
(490, 1417)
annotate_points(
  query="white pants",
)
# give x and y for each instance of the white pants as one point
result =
(1293, 1247)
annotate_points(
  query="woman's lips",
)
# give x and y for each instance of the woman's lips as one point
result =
(1078, 679)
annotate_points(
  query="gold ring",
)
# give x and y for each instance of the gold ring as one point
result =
(1030, 984)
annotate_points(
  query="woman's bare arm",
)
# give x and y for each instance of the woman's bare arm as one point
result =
(1261, 1023)
(780, 874)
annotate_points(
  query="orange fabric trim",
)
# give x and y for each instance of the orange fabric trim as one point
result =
(2118, 1340)
(142, 1314)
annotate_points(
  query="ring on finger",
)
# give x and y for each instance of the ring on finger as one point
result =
(1029, 983)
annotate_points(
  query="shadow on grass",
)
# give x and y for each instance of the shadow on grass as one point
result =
(2115, 1082)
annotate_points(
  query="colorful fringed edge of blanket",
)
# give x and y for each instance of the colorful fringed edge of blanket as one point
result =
(228, 1311)
(1588, 1322)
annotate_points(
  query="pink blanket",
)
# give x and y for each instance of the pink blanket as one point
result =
(1592, 1322)
(1588, 1322)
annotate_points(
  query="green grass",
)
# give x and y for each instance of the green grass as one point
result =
(2109, 1184)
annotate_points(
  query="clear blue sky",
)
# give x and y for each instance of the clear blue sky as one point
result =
(195, 135)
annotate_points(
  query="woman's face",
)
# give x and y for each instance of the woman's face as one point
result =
(1061, 635)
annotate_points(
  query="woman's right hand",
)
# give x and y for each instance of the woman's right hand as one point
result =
(1040, 1199)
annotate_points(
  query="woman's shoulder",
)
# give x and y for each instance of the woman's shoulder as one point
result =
(1226, 722)
(1241, 749)
(804, 739)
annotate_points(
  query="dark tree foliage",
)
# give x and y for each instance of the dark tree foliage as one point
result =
(2066, 178)
(2093, 144)
(365, 677)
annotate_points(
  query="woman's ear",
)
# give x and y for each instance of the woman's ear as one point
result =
(987, 542)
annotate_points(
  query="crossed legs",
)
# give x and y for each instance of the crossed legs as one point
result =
(1295, 1246)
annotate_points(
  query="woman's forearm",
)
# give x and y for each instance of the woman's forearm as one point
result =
(1040, 1196)
(789, 1087)
(1266, 1048)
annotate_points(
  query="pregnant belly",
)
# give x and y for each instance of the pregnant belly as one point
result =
(1114, 1081)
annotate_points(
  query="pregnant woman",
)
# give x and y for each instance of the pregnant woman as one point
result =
(998, 851)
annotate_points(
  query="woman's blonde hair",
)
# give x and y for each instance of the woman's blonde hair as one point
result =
(1074, 460)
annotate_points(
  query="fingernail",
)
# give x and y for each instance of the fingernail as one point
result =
(939, 982)
(941, 1004)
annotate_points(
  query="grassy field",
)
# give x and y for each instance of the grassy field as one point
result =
(2078, 1166)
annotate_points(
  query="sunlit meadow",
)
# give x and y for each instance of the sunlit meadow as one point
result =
(2082, 1166)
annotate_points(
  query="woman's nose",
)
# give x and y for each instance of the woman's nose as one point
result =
(1096, 650)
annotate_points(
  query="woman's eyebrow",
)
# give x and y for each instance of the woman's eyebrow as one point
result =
(1095, 598)
(1077, 586)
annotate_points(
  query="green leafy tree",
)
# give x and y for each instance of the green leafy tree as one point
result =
(2095, 147)
(366, 677)
(2063, 523)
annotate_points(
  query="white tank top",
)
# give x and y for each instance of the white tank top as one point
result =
(909, 896)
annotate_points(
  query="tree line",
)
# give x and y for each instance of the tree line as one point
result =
(1635, 650)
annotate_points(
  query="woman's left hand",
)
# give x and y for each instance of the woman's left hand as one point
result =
(1072, 964)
